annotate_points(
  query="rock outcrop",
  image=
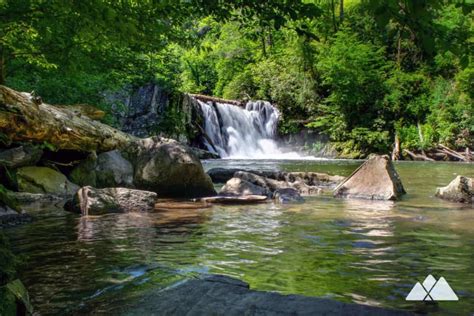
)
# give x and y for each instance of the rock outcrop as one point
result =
(459, 190)
(168, 168)
(222, 175)
(26, 155)
(44, 180)
(91, 201)
(222, 295)
(287, 195)
(375, 179)
(237, 186)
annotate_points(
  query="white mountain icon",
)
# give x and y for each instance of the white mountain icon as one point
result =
(432, 290)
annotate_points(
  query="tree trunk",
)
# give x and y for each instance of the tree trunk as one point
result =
(396, 148)
(24, 118)
(3, 70)
(341, 11)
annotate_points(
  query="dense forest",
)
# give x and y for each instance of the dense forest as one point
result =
(368, 73)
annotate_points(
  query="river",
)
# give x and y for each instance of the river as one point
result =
(348, 250)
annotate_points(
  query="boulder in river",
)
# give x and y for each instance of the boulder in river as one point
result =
(375, 179)
(241, 199)
(44, 180)
(287, 195)
(459, 190)
(26, 155)
(92, 201)
(168, 168)
(237, 186)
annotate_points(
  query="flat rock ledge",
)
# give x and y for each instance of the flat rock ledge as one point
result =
(222, 295)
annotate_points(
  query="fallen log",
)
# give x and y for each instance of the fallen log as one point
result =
(24, 119)
(417, 157)
(206, 98)
(452, 153)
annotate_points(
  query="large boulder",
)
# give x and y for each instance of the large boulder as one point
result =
(237, 186)
(26, 155)
(459, 190)
(92, 201)
(168, 168)
(44, 180)
(108, 169)
(375, 179)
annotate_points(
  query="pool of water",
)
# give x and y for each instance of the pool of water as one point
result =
(349, 250)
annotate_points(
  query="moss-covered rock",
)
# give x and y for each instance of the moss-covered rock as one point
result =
(44, 180)
(84, 173)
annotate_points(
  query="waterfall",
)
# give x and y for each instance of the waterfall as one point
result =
(240, 133)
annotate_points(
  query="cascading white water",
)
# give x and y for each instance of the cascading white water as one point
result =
(238, 133)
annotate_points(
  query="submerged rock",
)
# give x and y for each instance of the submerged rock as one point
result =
(287, 195)
(375, 179)
(26, 155)
(223, 295)
(242, 199)
(168, 168)
(459, 190)
(44, 180)
(91, 201)
(237, 186)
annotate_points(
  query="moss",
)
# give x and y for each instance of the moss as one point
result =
(6, 199)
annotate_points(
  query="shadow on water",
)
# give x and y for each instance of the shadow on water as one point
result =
(354, 251)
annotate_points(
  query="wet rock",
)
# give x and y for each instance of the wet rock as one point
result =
(91, 201)
(222, 175)
(168, 168)
(237, 186)
(375, 179)
(9, 217)
(44, 180)
(26, 155)
(271, 185)
(84, 173)
(222, 295)
(243, 199)
(459, 190)
(287, 195)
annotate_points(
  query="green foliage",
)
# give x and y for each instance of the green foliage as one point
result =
(8, 261)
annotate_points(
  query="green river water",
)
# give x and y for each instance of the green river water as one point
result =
(348, 250)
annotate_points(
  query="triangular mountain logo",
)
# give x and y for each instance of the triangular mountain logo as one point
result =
(432, 290)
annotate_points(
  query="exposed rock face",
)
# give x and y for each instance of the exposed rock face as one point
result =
(168, 168)
(222, 295)
(459, 190)
(287, 195)
(108, 169)
(139, 111)
(221, 175)
(272, 185)
(237, 186)
(21, 156)
(375, 179)
(91, 201)
(44, 180)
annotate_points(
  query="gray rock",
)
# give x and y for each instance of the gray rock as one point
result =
(271, 185)
(168, 168)
(113, 170)
(204, 154)
(459, 190)
(287, 195)
(26, 155)
(84, 173)
(375, 179)
(222, 295)
(232, 199)
(44, 180)
(237, 186)
(221, 175)
(91, 201)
